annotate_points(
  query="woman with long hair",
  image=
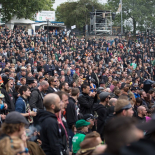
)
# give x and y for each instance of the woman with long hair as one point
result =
(7, 85)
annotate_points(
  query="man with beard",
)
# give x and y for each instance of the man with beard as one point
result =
(52, 132)
(64, 87)
(141, 114)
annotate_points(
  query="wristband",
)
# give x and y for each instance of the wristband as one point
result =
(25, 151)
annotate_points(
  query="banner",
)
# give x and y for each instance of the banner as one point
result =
(120, 7)
(73, 27)
(44, 15)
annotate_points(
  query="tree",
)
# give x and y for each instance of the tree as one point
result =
(77, 13)
(141, 12)
(23, 8)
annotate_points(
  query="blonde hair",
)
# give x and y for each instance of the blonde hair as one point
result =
(10, 146)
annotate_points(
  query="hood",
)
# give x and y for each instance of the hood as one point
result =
(97, 107)
(42, 115)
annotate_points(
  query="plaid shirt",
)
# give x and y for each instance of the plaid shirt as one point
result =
(2, 65)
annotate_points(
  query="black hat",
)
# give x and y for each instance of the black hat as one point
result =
(88, 116)
(5, 80)
(6, 70)
(102, 82)
(30, 80)
(134, 88)
(41, 77)
(15, 118)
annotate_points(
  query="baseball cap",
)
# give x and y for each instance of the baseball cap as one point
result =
(87, 117)
(100, 90)
(15, 118)
(103, 95)
(81, 123)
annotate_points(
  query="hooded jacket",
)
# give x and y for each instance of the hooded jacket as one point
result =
(86, 103)
(71, 113)
(102, 115)
(52, 134)
(36, 99)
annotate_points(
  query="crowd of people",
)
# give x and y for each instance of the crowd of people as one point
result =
(64, 95)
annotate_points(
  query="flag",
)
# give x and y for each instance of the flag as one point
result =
(120, 7)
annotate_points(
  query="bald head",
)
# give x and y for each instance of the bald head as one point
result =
(50, 99)
(140, 108)
(112, 101)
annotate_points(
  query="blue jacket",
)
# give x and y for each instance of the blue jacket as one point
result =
(136, 95)
(20, 105)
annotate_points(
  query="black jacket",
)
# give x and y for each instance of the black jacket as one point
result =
(50, 90)
(102, 113)
(36, 99)
(52, 134)
(71, 114)
(86, 104)
(94, 76)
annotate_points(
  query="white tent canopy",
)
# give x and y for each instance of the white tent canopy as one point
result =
(26, 22)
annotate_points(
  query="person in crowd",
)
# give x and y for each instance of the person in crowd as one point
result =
(143, 95)
(12, 130)
(90, 144)
(71, 113)
(123, 107)
(141, 110)
(102, 111)
(86, 100)
(8, 93)
(22, 105)
(52, 85)
(91, 119)
(64, 87)
(30, 83)
(52, 132)
(124, 131)
(36, 97)
(82, 129)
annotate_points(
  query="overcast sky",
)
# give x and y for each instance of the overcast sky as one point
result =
(58, 2)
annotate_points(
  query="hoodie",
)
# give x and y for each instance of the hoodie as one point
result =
(102, 113)
(52, 134)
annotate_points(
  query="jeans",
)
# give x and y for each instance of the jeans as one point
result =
(71, 134)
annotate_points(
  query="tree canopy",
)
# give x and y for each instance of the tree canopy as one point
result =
(77, 13)
(139, 12)
(23, 8)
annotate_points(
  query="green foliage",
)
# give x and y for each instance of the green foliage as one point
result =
(140, 11)
(77, 13)
(23, 8)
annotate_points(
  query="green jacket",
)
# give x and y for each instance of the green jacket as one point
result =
(77, 139)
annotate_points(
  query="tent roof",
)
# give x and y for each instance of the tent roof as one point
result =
(20, 21)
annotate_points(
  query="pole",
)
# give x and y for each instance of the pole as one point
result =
(47, 39)
(95, 21)
(121, 20)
